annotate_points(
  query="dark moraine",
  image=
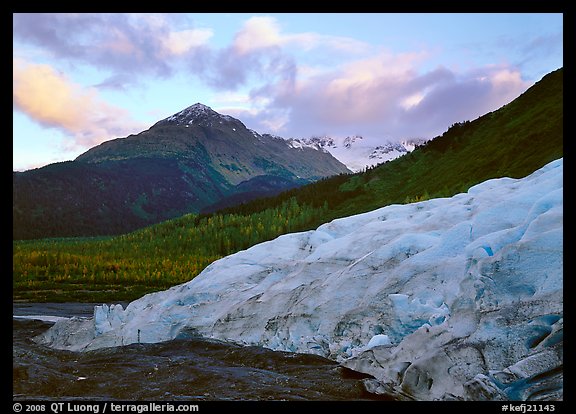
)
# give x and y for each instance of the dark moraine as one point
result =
(184, 369)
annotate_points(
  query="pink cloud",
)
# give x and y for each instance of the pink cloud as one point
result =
(387, 97)
(52, 100)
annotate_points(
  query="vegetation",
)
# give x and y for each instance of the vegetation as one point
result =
(513, 141)
(154, 258)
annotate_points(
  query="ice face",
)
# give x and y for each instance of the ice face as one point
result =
(445, 285)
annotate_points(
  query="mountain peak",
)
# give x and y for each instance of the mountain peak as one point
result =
(198, 114)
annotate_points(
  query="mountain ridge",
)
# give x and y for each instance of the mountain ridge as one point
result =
(181, 164)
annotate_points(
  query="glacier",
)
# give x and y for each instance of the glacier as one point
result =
(456, 298)
(355, 152)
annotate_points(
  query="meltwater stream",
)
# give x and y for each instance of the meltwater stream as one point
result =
(184, 369)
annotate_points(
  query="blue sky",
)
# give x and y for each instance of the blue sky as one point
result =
(82, 79)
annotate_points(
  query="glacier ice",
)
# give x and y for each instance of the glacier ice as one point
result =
(451, 298)
(378, 340)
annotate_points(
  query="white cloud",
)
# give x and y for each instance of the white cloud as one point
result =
(263, 32)
(412, 100)
(257, 33)
(181, 42)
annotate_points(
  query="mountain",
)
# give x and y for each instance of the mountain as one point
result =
(354, 152)
(184, 163)
(455, 298)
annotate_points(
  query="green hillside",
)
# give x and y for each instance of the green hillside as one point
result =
(513, 141)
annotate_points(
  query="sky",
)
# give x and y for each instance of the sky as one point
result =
(82, 79)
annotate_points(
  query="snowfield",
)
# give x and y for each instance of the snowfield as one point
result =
(355, 152)
(452, 298)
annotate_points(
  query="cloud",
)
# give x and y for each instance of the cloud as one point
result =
(387, 97)
(264, 32)
(365, 91)
(119, 82)
(462, 97)
(179, 43)
(131, 46)
(544, 45)
(136, 45)
(257, 33)
(124, 43)
(534, 54)
(227, 69)
(52, 100)
(542, 52)
(259, 55)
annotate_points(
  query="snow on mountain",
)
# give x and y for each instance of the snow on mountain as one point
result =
(452, 298)
(356, 152)
(198, 114)
(353, 151)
